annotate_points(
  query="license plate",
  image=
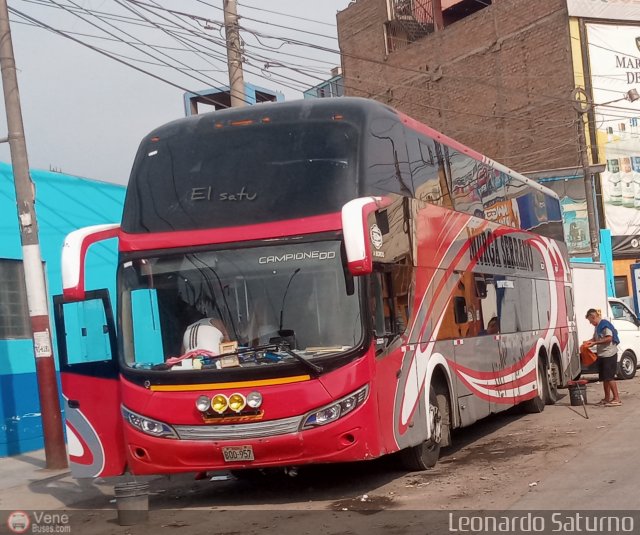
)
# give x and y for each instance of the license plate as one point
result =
(235, 454)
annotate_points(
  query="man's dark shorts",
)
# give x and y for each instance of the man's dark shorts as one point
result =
(607, 368)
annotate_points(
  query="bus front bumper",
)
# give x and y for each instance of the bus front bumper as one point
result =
(351, 438)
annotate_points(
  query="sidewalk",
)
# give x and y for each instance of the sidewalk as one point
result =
(25, 483)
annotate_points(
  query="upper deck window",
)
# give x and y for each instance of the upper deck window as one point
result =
(211, 177)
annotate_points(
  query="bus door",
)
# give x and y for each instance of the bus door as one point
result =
(87, 351)
(498, 341)
(518, 338)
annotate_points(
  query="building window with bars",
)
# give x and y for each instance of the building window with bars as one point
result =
(14, 311)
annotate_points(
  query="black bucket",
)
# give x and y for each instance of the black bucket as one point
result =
(578, 395)
(132, 500)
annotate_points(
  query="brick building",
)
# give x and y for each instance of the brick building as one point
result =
(498, 76)
(514, 79)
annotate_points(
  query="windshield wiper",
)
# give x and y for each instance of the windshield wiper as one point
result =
(314, 368)
(283, 346)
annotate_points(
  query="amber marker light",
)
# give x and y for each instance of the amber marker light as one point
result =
(219, 403)
(237, 402)
(246, 122)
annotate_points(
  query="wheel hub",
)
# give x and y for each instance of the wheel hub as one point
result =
(435, 419)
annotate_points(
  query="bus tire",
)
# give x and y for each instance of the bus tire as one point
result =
(553, 373)
(425, 455)
(536, 404)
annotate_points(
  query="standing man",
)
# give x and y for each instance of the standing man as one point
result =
(607, 349)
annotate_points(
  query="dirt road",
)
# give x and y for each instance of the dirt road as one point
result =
(496, 464)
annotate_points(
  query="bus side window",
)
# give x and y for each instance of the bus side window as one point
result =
(387, 167)
(427, 170)
(379, 307)
(464, 183)
(488, 319)
(460, 310)
(390, 298)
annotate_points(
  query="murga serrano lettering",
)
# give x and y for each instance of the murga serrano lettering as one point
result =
(501, 251)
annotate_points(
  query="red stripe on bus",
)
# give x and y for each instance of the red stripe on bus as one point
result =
(261, 231)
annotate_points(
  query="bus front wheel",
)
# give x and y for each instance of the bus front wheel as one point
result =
(425, 455)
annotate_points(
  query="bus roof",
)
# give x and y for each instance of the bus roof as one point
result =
(352, 109)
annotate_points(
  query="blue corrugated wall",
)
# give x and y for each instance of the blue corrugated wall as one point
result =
(63, 203)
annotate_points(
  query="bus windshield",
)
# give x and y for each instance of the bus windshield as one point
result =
(209, 304)
(240, 175)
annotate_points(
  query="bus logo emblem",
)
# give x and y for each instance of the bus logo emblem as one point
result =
(376, 236)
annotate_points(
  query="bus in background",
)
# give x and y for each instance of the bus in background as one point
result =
(311, 282)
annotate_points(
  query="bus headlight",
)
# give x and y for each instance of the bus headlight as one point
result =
(337, 410)
(203, 403)
(148, 426)
(254, 400)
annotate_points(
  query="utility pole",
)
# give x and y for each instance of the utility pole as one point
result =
(592, 212)
(234, 53)
(54, 446)
(583, 105)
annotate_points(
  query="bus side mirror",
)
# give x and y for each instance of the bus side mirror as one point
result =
(360, 232)
(74, 252)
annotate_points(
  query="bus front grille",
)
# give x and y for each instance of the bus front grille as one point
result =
(239, 431)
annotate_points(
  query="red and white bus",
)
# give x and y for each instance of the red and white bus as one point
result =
(311, 282)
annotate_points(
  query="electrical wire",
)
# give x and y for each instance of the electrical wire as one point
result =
(495, 117)
(184, 68)
(95, 49)
(208, 49)
(222, 84)
(315, 34)
(286, 15)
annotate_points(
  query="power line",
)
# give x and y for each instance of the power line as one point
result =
(332, 37)
(300, 86)
(102, 52)
(243, 99)
(285, 15)
(298, 83)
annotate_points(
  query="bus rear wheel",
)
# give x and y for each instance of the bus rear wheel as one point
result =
(536, 404)
(553, 373)
(426, 455)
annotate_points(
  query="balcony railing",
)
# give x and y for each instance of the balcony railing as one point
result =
(409, 20)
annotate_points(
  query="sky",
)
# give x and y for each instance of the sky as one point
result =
(85, 114)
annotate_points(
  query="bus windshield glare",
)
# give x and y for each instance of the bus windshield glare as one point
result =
(219, 307)
(216, 178)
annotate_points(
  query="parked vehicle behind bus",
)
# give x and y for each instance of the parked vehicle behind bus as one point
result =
(590, 287)
(311, 282)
